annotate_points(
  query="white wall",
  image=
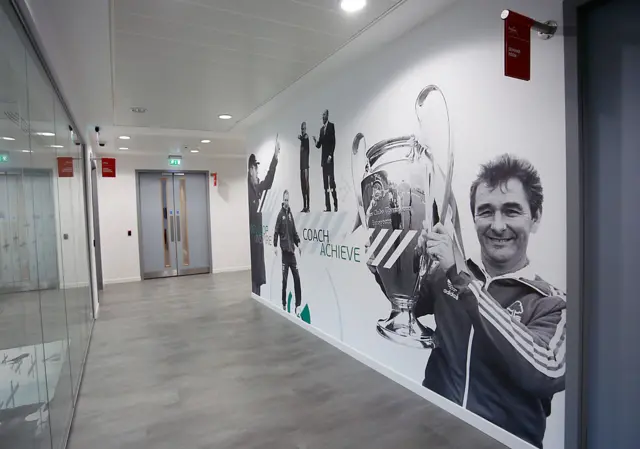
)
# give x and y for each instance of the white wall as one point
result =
(118, 214)
(461, 51)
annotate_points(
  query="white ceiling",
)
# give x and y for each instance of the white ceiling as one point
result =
(187, 61)
(210, 57)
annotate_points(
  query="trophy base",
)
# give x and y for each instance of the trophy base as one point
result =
(403, 328)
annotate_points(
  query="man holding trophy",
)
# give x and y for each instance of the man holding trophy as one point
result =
(501, 336)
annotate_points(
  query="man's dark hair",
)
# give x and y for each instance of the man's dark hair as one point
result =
(499, 171)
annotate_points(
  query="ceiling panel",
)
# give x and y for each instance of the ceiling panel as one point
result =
(187, 61)
(170, 143)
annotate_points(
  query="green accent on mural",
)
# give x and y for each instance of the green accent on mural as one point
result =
(306, 315)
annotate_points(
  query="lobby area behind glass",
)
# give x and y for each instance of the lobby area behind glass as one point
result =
(45, 294)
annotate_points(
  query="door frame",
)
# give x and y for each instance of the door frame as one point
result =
(97, 242)
(576, 150)
(206, 173)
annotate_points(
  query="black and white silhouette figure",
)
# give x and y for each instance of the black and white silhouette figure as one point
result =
(304, 166)
(257, 189)
(286, 233)
(327, 141)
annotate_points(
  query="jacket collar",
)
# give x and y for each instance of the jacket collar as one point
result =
(526, 276)
(527, 272)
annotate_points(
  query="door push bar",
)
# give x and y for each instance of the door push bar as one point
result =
(546, 30)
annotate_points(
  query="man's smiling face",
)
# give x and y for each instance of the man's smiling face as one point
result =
(503, 223)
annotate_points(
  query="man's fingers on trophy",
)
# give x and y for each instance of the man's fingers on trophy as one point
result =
(435, 252)
(436, 237)
(440, 229)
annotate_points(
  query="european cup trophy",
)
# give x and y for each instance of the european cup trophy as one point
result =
(401, 190)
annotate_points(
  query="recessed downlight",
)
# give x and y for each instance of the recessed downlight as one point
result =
(225, 117)
(124, 137)
(46, 134)
(123, 148)
(205, 141)
(8, 138)
(56, 146)
(353, 5)
(195, 151)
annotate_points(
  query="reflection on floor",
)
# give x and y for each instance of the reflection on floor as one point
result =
(37, 380)
(24, 398)
(195, 363)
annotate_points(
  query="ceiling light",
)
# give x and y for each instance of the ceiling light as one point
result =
(353, 5)
(139, 110)
(56, 146)
(124, 137)
(123, 148)
(26, 151)
(195, 151)
(8, 138)
(205, 141)
(46, 134)
(225, 117)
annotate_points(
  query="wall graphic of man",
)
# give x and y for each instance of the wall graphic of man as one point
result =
(256, 188)
(304, 166)
(288, 236)
(327, 142)
(500, 328)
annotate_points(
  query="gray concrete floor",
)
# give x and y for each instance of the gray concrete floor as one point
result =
(195, 363)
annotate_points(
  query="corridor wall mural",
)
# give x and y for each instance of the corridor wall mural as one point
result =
(414, 210)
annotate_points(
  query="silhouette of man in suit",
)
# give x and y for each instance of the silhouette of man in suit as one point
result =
(327, 142)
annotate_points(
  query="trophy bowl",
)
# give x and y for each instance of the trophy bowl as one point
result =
(401, 192)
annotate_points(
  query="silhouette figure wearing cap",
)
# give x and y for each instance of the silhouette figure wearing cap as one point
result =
(256, 190)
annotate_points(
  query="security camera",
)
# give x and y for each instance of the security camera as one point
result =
(102, 143)
(97, 128)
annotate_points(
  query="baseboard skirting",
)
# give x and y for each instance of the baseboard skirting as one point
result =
(230, 269)
(472, 419)
(122, 280)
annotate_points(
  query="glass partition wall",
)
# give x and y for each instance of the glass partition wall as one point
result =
(45, 294)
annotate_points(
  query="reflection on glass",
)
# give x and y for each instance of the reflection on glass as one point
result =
(45, 298)
(47, 227)
(183, 230)
(165, 224)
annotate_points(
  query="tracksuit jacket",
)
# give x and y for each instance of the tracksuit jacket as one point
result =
(501, 345)
(286, 231)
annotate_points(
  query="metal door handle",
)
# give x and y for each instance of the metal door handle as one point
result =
(171, 228)
(178, 222)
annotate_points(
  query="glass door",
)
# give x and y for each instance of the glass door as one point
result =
(174, 224)
(192, 224)
(158, 225)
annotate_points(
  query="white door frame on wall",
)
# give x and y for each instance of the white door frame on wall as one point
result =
(577, 308)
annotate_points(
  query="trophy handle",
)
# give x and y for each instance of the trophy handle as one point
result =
(355, 177)
(447, 201)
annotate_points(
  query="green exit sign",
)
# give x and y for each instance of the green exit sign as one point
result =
(175, 162)
(4, 158)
